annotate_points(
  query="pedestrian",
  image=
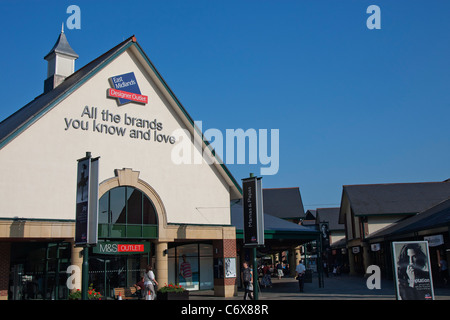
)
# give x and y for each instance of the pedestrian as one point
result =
(299, 273)
(279, 270)
(247, 278)
(443, 269)
(150, 282)
(266, 280)
(140, 288)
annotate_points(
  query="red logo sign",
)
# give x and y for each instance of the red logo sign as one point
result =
(114, 93)
(130, 248)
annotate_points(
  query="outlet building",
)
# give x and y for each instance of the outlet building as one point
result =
(159, 204)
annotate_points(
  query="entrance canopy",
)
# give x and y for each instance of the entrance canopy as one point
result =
(279, 234)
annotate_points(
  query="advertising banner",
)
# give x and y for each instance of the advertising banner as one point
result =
(86, 211)
(253, 212)
(412, 270)
(82, 202)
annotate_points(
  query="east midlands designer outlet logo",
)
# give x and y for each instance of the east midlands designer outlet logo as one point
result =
(125, 89)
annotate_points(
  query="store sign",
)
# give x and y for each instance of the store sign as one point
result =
(412, 270)
(121, 248)
(375, 247)
(86, 211)
(253, 212)
(126, 89)
(434, 241)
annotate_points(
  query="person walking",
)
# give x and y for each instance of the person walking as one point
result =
(443, 270)
(150, 282)
(247, 278)
(280, 270)
(299, 273)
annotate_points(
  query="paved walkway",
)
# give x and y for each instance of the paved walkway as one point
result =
(343, 287)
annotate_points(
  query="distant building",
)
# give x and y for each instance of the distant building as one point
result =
(284, 203)
(367, 209)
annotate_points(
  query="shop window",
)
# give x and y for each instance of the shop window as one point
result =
(126, 212)
(191, 265)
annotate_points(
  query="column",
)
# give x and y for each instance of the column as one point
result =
(226, 286)
(77, 260)
(293, 260)
(161, 265)
(367, 259)
(351, 261)
(5, 253)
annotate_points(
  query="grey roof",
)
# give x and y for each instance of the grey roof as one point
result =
(395, 198)
(434, 217)
(27, 115)
(62, 46)
(310, 214)
(271, 223)
(285, 203)
(330, 215)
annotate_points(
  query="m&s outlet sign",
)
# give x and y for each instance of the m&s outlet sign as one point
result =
(121, 248)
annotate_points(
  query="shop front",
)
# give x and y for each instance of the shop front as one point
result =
(38, 270)
(117, 264)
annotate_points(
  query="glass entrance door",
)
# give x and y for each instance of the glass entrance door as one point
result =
(107, 272)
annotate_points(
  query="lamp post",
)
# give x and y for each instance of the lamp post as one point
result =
(85, 274)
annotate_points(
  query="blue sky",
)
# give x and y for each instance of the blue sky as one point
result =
(352, 105)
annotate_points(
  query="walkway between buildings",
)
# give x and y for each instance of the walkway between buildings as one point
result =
(343, 287)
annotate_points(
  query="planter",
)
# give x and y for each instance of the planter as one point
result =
(173, 295)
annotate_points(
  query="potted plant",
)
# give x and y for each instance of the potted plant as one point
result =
(172, 292)
(92, 294)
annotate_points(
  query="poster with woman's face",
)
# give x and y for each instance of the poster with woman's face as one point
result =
(412, 270)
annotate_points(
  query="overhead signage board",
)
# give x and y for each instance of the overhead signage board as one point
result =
(253, 212)
(412, 270)
(86, 211)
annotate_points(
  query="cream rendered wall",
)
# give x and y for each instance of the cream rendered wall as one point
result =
(376, 223)
(336, 236)
(38, 167)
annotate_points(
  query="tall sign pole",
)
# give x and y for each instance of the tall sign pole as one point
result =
(253, 221)
(86, 213)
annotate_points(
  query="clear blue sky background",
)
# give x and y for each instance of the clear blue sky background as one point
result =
(353, 105)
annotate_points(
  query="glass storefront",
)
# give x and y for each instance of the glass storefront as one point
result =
(38, 270)
(107, 272)
(128, 226)
(124, 213)
(192, 266)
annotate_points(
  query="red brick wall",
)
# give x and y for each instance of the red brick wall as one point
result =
(225, 248)
(5, 252)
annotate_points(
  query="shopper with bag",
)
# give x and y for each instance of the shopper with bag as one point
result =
(150, 282)
(247, 278)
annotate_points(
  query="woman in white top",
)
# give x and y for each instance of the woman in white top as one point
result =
(150, 281)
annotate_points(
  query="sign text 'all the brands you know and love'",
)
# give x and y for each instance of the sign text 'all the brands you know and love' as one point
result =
(106, 122)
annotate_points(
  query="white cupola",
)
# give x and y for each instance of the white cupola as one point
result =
(61, 62)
